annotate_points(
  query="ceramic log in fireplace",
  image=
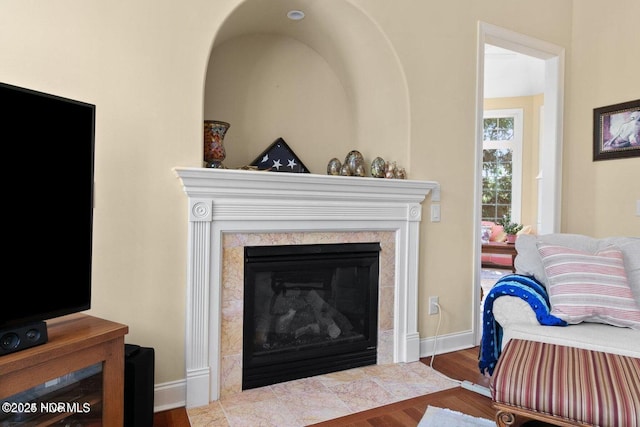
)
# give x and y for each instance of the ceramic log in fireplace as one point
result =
(308, 310)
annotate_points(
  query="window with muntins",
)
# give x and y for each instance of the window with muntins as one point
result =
(501, 164)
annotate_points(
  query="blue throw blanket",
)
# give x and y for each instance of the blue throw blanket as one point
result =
(525, 287)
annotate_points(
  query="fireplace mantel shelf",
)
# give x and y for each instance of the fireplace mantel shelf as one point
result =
(234, 183)
(239, 201)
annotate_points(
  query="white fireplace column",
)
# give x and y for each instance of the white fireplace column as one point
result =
(235, 201)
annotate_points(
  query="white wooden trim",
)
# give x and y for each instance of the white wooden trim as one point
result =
(551, 142)
(227, 201)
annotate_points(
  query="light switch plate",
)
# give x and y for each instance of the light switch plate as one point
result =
(435, 212)
(637, 207)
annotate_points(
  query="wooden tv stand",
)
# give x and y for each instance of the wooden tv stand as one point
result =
(75, 342)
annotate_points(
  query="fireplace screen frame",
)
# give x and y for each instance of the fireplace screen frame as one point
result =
(270, 367)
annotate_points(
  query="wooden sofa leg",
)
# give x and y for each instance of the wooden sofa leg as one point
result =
(504, 418)
(509, 419)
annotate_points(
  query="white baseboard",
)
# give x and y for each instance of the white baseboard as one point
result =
(446, 343)
(169, 395)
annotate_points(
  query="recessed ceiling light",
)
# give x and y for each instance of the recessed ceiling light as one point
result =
(295, 15)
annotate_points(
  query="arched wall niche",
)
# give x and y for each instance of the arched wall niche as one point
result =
(327, 84)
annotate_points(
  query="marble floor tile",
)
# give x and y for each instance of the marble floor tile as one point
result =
(312, 400)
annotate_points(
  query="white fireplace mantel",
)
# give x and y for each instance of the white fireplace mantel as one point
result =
(227, 201)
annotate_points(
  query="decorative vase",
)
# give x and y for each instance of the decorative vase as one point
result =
(511, 238)
(214, 152)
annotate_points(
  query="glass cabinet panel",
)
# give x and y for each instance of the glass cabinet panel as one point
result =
(74, 399)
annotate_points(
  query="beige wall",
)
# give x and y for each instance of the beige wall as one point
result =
(145, 63)
(250, 74)
(599, 198)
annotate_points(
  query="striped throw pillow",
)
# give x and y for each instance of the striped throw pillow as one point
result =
(589, 287)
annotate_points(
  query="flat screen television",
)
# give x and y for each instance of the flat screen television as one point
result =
(49, 145)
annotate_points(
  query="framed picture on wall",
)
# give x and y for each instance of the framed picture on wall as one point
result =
(616, 131)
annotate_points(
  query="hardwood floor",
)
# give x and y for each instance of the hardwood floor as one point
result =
(171, 418)
(459, 365)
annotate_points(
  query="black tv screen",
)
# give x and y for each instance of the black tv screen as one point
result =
(48, 195)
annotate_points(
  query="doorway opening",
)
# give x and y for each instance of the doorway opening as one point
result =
(546, 178)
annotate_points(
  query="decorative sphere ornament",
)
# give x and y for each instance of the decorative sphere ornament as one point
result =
(345, 171)
(333, 168)
(377, 167)
(390, 172)
(359, 170)
(353, 159)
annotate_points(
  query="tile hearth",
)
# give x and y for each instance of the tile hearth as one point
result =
(312, 400)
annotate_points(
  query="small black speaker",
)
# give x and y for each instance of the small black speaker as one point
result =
(22, 337)
(139, 363)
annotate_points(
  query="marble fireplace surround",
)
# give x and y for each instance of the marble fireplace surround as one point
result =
(230, 206)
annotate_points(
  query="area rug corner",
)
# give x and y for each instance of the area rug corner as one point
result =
(443, 417)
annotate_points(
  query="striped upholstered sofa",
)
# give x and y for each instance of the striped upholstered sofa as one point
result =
(603, 312)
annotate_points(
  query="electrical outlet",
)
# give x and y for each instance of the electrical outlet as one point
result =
(433, 305)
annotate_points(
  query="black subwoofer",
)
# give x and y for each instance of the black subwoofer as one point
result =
(138, 386)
